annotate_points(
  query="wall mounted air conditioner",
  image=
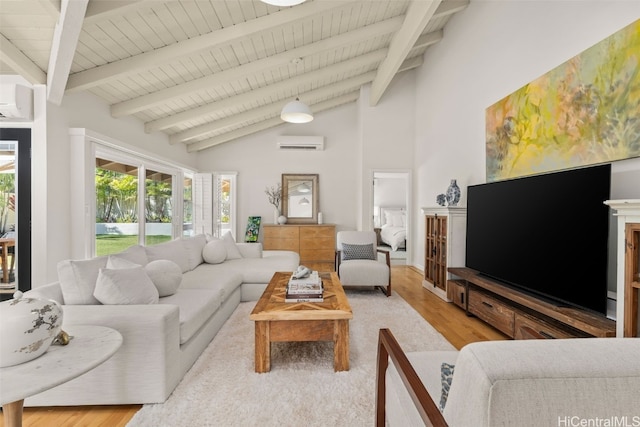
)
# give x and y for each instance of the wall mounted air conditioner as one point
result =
(302, 143)
(16, 102)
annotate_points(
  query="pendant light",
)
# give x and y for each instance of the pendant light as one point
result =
(296, 112)
(283, 3)
(304, 188)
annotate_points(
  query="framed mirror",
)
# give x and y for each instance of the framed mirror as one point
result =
(300, 196)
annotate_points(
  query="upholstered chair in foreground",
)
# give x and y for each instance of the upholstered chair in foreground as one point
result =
(360, 263)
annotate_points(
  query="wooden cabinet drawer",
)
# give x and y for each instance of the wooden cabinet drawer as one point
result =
(523, 323)
(492, 311)
(457, 293)
(318, 243)
(280, 232)
(318, 231)
(281, 238)
(281, 245)
(323, 254)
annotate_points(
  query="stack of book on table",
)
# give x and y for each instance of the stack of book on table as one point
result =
(306, 289)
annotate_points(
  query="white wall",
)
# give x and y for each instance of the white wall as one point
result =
(83, 110)
(390, 192)
(358, 139)
(387, 133)
(52, 229)
(260, 164)
(489, 50)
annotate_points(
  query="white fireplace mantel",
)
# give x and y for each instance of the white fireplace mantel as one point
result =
(627, 211)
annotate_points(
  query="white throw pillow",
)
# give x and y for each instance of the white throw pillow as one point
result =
(230, 245)
(114, 262)
(165, 275)
(396, 220)
(78, 279)
(193, 247)
(173, 250)
(125, 286)
(214, 252)
(388, 218)
(136, 254)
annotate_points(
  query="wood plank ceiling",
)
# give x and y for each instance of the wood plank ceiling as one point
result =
(206, 72)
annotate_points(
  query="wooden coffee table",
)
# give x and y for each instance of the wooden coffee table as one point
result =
(278, 321)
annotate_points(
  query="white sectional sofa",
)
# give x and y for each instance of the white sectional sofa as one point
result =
(562, 382)
(161, 340)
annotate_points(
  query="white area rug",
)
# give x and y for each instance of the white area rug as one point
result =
(222, 389)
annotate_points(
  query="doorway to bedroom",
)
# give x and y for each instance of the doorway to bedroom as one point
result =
(391, 218)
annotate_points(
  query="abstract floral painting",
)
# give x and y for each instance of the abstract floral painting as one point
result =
(585, 111)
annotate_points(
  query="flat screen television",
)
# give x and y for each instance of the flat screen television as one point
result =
(545, 234)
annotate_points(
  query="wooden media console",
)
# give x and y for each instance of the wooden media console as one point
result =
(515, 313)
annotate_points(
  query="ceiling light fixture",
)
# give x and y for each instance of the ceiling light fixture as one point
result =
(283, 3)
(304, 201)
(296, 112)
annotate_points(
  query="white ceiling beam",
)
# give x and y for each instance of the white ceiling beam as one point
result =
(449, 7)
(248, 130)
(418, 15)
(410, 64)
(63, 47)
(230, 136)
(265, 112)
(20, 63)
(266, 92)
(99, 10)
(308, 97)
(51, 6)
(428, 39)
(108, 72)
(151, 100)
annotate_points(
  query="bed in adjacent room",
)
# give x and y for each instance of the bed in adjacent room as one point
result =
(393, 231)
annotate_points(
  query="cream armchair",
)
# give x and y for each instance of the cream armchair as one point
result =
(360, 263)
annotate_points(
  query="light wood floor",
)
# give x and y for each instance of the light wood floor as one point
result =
(449, 320)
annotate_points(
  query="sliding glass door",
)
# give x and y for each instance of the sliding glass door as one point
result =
(15, 210)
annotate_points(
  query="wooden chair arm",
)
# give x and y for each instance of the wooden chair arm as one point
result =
(388, 261)
(387, 256)
(388, 348)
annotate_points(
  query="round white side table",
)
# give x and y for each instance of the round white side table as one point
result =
(89, 347)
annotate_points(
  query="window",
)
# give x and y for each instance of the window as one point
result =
(125, 187)
(123, 198)
(214, 201)
(116, 206)
(187, 206)
(225, 206)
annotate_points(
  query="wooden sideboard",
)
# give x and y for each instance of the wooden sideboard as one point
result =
(513, 312)
(316, 243)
